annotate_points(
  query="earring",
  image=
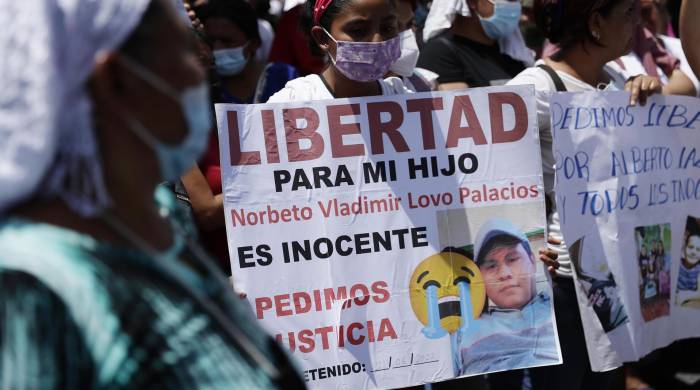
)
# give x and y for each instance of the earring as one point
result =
(596, 35)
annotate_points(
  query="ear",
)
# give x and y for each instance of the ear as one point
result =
(595, 25)
(321, 38)
(252, 48)
(110, 83)
(114, 87)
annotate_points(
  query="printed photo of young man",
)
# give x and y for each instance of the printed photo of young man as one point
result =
(515, 329)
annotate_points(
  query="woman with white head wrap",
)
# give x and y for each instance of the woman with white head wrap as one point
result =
(474, 43)
(101, 100)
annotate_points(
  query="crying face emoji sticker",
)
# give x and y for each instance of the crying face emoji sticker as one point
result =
(447, 293)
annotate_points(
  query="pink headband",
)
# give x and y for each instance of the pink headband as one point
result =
(319, 9)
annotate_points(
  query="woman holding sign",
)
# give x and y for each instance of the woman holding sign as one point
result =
(589, 35)
(361, 37)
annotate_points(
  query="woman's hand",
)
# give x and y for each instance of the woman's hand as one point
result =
(549, 256)
(196, 23)
(208, 208)
(640, 87)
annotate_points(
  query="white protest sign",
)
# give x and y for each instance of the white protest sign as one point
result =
(352, 226)
(628, 194)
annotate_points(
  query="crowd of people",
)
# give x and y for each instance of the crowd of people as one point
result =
(114, 262)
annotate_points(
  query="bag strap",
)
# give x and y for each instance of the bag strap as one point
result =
(558, 83)
(419, 83)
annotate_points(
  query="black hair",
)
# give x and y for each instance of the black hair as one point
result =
(501, 241)
(306, 20)
(692, 228)
(414, 4)
(335, 8)
(565, 22)
(238, 12)
(139, 44)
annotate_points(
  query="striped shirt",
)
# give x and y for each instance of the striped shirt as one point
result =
(688, 277)
(78, 313)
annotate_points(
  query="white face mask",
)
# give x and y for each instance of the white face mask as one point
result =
(406, 64)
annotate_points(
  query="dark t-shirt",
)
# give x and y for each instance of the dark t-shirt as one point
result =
(458, 59)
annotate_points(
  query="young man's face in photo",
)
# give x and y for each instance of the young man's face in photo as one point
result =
(509, 276)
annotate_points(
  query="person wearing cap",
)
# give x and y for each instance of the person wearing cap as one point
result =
(516, 329)
(102, 101)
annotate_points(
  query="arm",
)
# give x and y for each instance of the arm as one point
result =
(679, 84)
(690, 32)
(208, 208)
(452, 86)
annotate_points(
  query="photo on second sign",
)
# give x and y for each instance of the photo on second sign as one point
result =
(687, 294)
(653, 256)
(597, 281)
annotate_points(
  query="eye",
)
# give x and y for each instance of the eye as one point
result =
(389, 29)
(357, 31)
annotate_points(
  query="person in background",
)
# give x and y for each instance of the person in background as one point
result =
(474, 43)
(291, 45)
(97, 289)
(690, 33)
(230, 27)
(361, 38)
(415, 79)
(656, 18)
(657, 55)
(531, 34)
(589, 35)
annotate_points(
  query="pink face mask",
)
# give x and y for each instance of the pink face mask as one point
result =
(365, 61)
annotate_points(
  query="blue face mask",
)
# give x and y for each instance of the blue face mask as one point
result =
(174, 160)
(230, 62)
(505, 19)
